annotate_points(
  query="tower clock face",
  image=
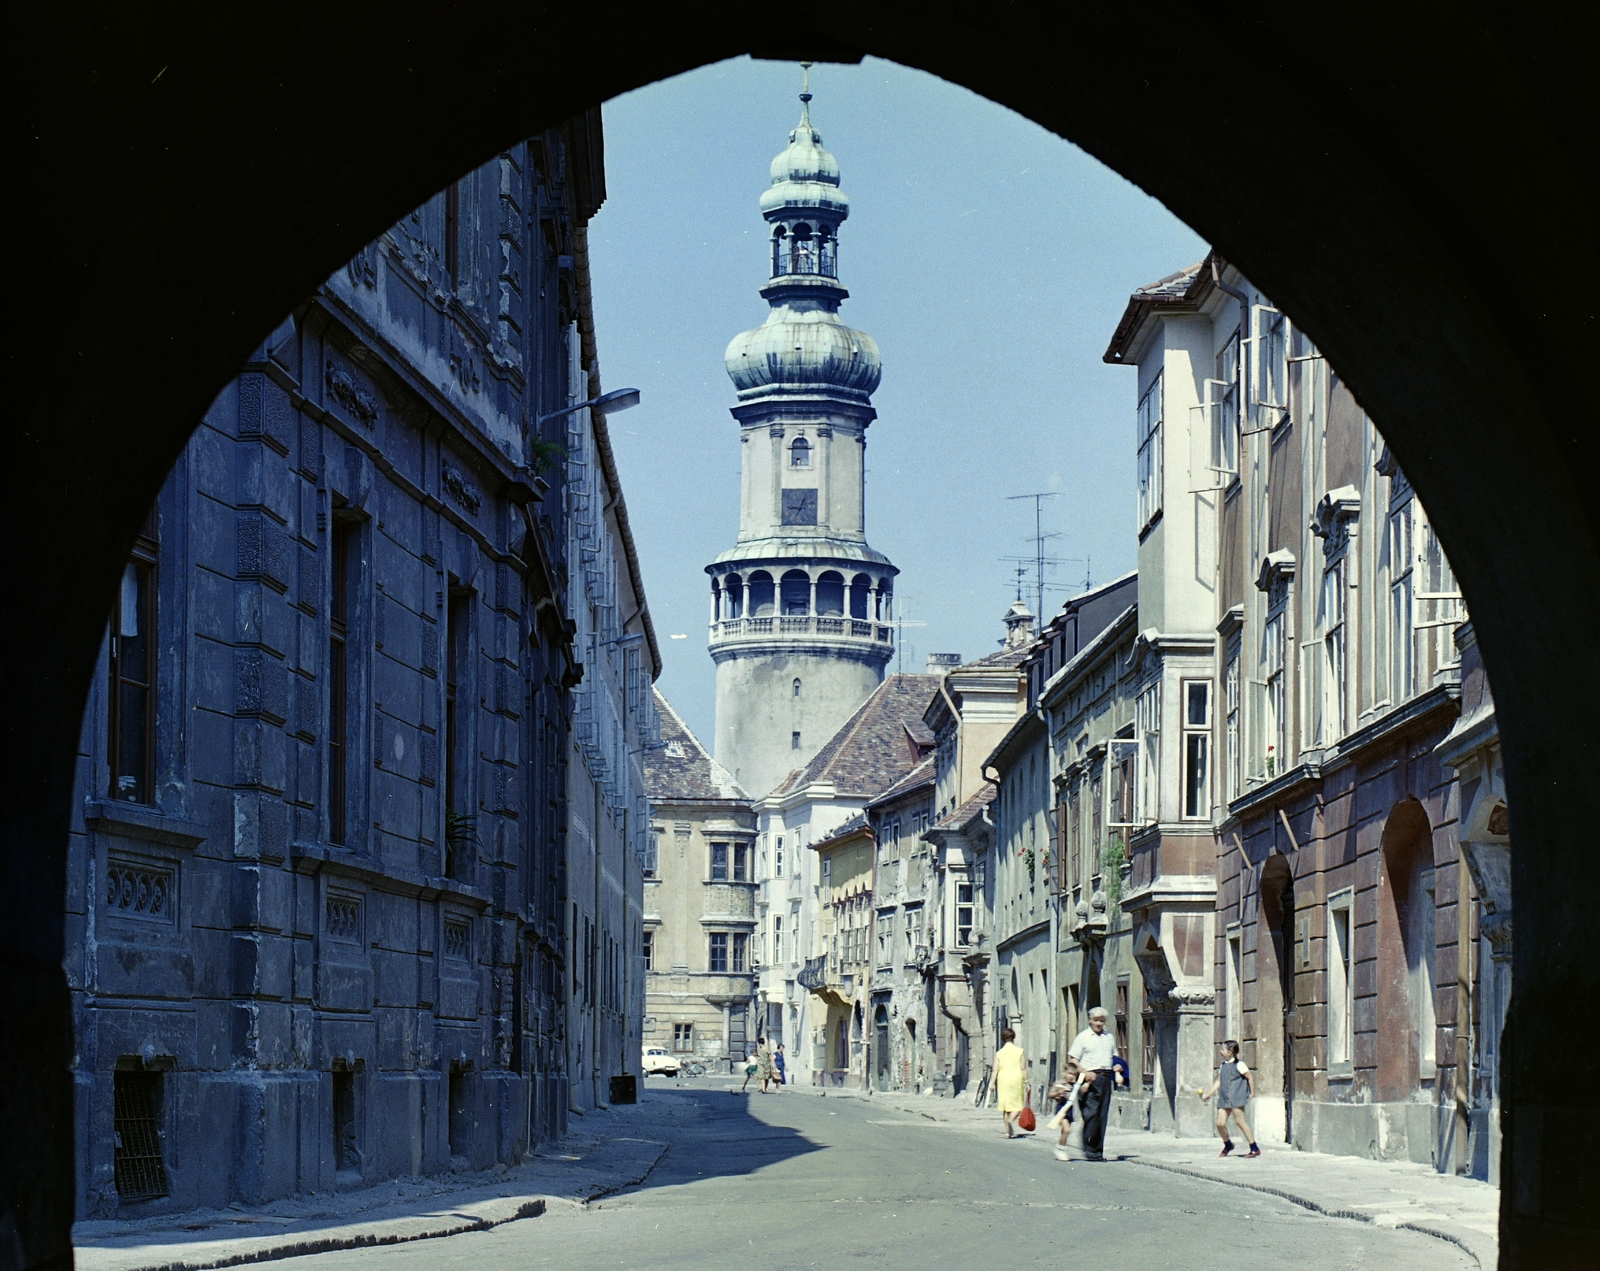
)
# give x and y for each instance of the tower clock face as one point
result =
(799, 507)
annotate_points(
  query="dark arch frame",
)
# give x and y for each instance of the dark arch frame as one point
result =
(1434, 237)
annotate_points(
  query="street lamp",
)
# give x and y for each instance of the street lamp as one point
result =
(607, 404)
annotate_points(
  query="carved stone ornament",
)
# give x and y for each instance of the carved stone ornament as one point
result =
(356, 401)
(459, 488)
(1275, 575)
(1331, 521)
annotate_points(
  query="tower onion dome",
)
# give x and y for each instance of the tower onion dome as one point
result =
(803, 347)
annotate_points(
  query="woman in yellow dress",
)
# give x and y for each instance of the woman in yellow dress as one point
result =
(1010, 1079)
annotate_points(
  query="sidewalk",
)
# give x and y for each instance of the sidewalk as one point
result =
(1462, 1211)
(604, 1153)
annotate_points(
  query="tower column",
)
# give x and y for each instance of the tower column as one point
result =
(824, 486)
(812, 611)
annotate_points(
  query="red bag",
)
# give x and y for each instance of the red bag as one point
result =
(1026, 1120)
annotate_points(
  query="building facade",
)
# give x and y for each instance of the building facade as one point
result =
(837, 974)
(319, 887)
(1298, 881)
(699, 900)
(613, 726)
(902, 1002)
(876, 746)
(801, 606)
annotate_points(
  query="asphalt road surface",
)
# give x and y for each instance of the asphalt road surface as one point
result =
(793, 1180)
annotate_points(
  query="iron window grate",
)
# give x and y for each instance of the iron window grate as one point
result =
(140, 1171)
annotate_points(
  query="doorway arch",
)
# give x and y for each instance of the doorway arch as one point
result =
(1406, 973)
(1448, 346)
(1276, 1000)
(880, 1046)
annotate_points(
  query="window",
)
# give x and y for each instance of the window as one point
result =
(718, 963)
(652, 854)
(1223, 407)
(827, 870)
(1333, 654)
(1196, 748)
(799, 453)
(885, 937)
(741, 952)
(777, 857)
(1147, 1048)
(1402, 634)
(648, 944)
(1147, 721)
(1341, 994)
(683, 1037)
(457, 711)
(1122, 1014)
(1097, 819)
(1271, 349)
(1074, 837)
(799, 507)
(964, 913)
(1149, 434)
(911, 933)
(794, 741)
(132, 695)
(1230, 689)
(719, 862)
(138, 1170)
(345, 1156)
(1273, 716)
(741, 862)
(797, 688)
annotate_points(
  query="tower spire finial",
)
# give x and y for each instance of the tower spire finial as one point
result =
(805, 93)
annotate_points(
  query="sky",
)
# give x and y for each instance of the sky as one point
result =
(988, 258)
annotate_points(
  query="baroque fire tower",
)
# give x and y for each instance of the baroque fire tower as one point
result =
(801, 607)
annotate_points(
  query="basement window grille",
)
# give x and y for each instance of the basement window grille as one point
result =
(140, 1172)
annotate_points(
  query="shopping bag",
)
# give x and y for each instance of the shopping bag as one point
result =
(1026, 1120)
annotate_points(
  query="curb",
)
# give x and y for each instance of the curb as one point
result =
(1306, 1203)
(367, 1240)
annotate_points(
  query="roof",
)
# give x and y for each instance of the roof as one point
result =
(969, 811)
(856, 825)
(683, 771)
(1000, 658)
(871, 750)
(1180, 289)
(919, 778)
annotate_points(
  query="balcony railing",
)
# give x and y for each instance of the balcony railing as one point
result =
(847, 628)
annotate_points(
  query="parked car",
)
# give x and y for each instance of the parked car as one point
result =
(658, 1059)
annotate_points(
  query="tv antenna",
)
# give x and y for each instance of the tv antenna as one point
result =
(899, 622)
(1039, 537)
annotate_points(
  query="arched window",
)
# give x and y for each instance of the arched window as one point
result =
(828, 255)
(802, 251)
(800, 453)
(860, 596)
(778, 256)
(797, 688)
(830, 594)
(733, 589)
(760, 599)
(796, 593)
(885, 600)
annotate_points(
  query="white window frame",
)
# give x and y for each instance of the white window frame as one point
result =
(1234, 775)
(1274, 700)
(1401, 532)
(1340, 946)
(1150, 456)
(1334, 621)
(1147, 728)
(1269, 369)
(1131, 749)
(1195, 735)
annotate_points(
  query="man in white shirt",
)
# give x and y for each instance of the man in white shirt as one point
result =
(1094, 1049)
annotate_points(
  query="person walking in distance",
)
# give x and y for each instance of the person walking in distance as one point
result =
(764, 1062)
(751, 1067)
(1095, 1052)
(1010, 1079)
(780, 1066)
(1234, 1087)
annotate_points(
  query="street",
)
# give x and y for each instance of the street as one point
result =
(793, 1180)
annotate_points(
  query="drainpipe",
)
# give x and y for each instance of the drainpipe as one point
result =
(956, 716)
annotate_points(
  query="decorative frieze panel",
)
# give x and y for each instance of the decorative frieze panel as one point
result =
(140, 889)
(343, 918)
(461, 489)
(458, 939)
(356, 401)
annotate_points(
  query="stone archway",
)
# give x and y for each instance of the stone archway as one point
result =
(188, 182)
(1276, 1000)
(1406, 975)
